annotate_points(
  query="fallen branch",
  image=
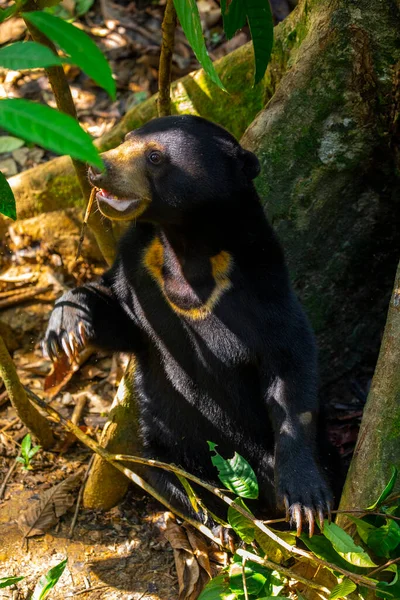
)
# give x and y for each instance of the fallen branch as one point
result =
(167, 48)
(12, 299)
(28, 414)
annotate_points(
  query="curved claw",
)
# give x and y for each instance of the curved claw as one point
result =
(82, 333)
(53, 350)
(311, 521)
(287, 508)
(321, 518)
(297, 517)
(65, 343)
(329, 506)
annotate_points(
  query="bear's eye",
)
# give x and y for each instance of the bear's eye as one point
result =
(155, 157)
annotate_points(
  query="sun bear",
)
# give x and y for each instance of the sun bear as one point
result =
(200, 294)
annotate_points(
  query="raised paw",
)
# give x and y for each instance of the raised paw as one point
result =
(67, 333)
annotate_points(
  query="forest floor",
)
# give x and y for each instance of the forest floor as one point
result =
(121, 554)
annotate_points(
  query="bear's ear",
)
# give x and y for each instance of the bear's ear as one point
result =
(251, 165)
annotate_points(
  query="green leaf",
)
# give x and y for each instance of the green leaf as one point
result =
(7, 200)
(388, 490)
(256, 577)
(242, 526)
(342, 590)
(9, 143)
(271, 597)
(385, 539)
(363, 528)
(324, 549)
(33, 451)
(217, 589)
(190, 492)
(389, 590)
(82, 50)
(5, 13)
(261, 26)
(7, 581)
(26, 445)
(233, 16)
(272, 549)
(82, 7)
(48, 581)
(236, 474)
(188, 15)
(345, 546)
(27, 55)
(48, 127)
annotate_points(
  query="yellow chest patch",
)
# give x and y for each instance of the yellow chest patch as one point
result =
(221, 266)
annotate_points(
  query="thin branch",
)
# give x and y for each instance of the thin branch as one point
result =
(115, 458)
(8, 475)
(364, 512)
(385, 566)
(100, 226)
(167, 48)
(28, 414)
(246, 593)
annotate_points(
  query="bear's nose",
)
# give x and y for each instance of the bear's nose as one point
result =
(96, 175)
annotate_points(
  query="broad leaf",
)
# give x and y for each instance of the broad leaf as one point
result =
(272, 549)
(364, 529)
(344, 545)
(188, 15)
(233, 16)
(7, 200)
(236, 474)
(5, 13)
(7, 581)
(27, 55)
(48, 581)
(342, 590)
(388, 490)
(256, 577)
(324, 549)
(49, 128)
(82, 50)
(243, 527)
(389, 590)
(9, 143)
(385, 539)
(82, 7)
(261, 26)
(217, 589)
(26, 445)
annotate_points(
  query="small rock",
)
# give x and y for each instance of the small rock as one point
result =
(21, 155)
(8, 167)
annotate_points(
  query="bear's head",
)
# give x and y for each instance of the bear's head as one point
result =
(171, 168)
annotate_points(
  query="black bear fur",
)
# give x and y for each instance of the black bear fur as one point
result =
(200, 294)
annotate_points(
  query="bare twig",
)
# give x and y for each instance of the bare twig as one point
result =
(115, 458)
(364, 513)
(385, 566)
(167, 48)
(8, 475)
(28, 414)
(246, 593)
(80, 496)
(85, 222)
(23, 296)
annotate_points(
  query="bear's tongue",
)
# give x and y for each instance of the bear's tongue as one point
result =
(114, 201)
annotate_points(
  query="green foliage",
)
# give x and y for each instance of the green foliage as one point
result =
(383, 540)
(189, 17)
(343, 589)
(48, 127)
(27, 55)
(235, 473)
(344, 545)
(47, 582)
(79, 47)
(242, 526)
(259, 16)
(27, 452)
(7, 581)
(8, 143)
(387, 491)
(7, 200)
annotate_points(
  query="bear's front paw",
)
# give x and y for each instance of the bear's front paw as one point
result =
(68, 331)
(305, 496)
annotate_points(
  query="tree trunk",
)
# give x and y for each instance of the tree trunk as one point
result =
(378, 447)
(326, 142)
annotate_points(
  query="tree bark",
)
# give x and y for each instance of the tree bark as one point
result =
(378, 445)
(329, 181)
